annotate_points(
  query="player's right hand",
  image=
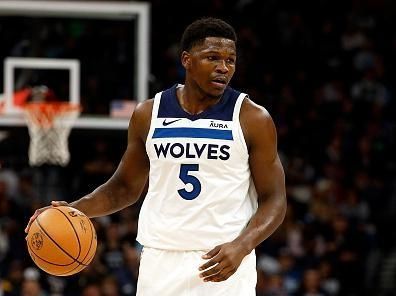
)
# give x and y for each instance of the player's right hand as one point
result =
(39, 211)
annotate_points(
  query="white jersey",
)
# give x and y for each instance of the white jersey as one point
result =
(200, 190)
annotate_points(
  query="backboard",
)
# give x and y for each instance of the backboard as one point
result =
(95, 53)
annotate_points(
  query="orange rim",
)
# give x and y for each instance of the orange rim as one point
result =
(52, 106)
(43, 113)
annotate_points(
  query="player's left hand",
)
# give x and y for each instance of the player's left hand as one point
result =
(224, 260)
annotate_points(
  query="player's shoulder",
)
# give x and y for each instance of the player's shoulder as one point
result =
(251, 111)
(256, 121)
(141, 117)
(143, 111)
(144, 108)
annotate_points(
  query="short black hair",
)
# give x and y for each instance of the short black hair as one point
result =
(198, 30)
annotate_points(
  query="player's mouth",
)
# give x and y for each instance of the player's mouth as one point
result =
(219, 82)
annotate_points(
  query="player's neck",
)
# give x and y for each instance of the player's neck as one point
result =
(193, 100)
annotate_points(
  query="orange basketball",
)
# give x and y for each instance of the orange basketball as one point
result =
(62, 241)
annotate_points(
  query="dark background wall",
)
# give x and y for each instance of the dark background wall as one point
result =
(324, 69)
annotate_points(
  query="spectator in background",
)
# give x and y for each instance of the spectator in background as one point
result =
(109, 286)
(311, 284)
(325, 71)
(91, 290)
(31, 287)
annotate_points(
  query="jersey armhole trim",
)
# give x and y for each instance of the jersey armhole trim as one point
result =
(154, 115)
(236, 119)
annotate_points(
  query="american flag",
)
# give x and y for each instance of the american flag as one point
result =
(122, 108)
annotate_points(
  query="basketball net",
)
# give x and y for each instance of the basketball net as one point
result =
(49, 125)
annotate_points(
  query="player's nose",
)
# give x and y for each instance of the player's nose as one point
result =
(221, 67)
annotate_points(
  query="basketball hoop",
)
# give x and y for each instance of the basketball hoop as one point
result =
(49, 125)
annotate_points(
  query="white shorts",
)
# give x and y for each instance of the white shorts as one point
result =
(175, 273)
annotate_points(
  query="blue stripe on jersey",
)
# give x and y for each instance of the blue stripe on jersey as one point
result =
(187, 132)
(170, 108)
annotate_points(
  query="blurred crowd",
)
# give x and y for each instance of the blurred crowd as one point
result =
(325, 70)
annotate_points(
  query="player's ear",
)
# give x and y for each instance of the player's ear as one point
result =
(186, 59)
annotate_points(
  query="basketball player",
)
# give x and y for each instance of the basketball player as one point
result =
(216, 184)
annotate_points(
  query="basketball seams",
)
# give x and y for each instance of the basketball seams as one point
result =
(62, 249)
(74, 261)
(70, 272)
(74, 229)
(89, 259)
(57, 250)
(61, 265)
(90, 244)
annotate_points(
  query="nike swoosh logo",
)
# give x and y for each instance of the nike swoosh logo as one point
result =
(165, 123)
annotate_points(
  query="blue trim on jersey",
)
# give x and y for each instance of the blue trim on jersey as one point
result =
(188, 132)
(170, 108)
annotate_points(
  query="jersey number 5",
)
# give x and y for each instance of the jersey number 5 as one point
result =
(189, 179)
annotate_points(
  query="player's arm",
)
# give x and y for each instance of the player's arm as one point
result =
(127, 183)
(268, 176)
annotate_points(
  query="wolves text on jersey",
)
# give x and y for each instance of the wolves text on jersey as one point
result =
(192, 150)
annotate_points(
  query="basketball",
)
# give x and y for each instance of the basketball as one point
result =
(62, 241)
